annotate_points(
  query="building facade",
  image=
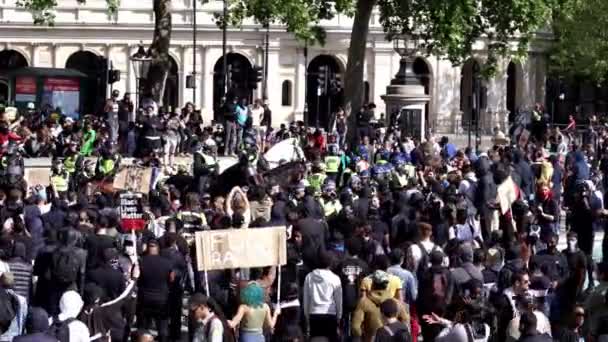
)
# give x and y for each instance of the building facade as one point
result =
(87, 38)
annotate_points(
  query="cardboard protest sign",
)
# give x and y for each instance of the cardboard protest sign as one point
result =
(235, 248)
(131, 211)
(134, 179)
(37, 176)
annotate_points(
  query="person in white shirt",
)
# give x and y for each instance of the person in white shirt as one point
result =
(415, 250)
(526, 303)
(459, 330)
(322, 299)
(208, 319)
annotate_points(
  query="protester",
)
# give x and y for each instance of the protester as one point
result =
(384, 237)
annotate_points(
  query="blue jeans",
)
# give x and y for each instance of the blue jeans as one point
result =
(230, 140)
(246, 336)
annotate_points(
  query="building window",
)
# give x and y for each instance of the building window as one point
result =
(366, 92)
(286, 93)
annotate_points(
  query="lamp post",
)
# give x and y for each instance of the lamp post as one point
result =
(406, 45)
(141, 65)
(224, 42)
(477, 104)
(194, 52)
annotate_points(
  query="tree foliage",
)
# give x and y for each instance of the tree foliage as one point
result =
(581, 47)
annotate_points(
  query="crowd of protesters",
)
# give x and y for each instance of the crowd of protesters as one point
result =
(389, 238)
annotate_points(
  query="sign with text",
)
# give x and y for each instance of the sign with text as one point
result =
(25, 89)
(133, 178)
(131, 211)
(235, 248)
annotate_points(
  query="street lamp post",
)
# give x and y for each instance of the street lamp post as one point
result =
(194, 52)
(141, 65)
(406, 45)
(477, 109)
(305, 114)
(267, 45)
(224, 55)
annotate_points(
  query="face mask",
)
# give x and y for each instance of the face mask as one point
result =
(130, 250)
(572, 245)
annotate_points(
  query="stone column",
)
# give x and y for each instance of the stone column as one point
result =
(207, 84)
(274, 85)
(299, 91)
(385, 68)
(185, 94)
(34, 53)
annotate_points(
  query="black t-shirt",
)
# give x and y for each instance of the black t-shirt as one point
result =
(153, 283)
(109, 279)
(95, 245)
(351, 271)
(396, 331)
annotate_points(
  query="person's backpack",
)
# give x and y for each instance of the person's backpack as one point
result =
(425, 260)
(228, 335)
(400, 333)
(9, 306)
(65, 266)
(60, 329)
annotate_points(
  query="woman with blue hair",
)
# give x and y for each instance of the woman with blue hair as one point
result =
(253, 315)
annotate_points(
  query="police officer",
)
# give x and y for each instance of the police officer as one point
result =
(333, 162)
(329, 200)
(60, 179)
(317, 178)
(107, 165)
(72, 162)
(204, 166)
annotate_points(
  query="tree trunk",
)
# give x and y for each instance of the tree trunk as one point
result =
(154, 85)
(353, 78)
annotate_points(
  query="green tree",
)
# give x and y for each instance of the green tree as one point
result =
(581, 47)
(447, 28)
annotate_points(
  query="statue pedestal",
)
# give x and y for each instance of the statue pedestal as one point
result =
(409, 102)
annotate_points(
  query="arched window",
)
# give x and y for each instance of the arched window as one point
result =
(286, 93)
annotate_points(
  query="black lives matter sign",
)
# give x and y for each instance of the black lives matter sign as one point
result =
(131, 211)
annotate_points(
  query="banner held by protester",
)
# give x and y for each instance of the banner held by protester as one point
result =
(131, 211)
(235, 248)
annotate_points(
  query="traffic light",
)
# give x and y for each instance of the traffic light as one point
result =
(113, 76)
(255, 76)
(336, 84)
(322, 79)
(190, 82)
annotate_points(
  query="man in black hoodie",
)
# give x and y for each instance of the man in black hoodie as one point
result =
(314, 237)
(523, 175)
(485, 192)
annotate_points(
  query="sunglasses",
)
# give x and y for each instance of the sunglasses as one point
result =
(580, 314)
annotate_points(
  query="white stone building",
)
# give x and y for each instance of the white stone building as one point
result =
(82, 32)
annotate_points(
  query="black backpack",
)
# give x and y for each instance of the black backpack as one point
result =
(60, 329)
(425, 260)
(65, 266)
(228, 335)
(9, 306)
